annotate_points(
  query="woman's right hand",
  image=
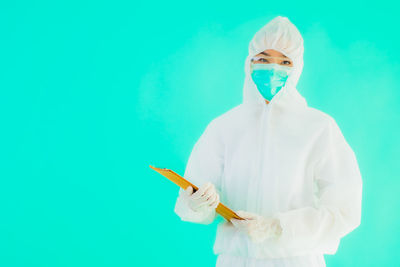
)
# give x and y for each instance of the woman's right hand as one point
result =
(205, 198)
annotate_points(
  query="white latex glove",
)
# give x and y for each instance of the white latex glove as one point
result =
(198, 207)
(257, 227)
(204, 199)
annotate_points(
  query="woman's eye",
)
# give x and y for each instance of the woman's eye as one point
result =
(286, 62)
(263, 60)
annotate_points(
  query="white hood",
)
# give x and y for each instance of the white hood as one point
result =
(281, 35)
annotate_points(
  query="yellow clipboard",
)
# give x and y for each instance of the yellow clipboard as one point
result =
(221, 209)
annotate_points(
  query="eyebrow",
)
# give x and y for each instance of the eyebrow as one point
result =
(270, 55)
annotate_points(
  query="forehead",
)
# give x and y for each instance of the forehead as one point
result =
(272, 53)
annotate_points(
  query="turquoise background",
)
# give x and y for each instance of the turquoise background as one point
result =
(92, 92)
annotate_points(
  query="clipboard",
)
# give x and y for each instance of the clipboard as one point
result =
(221, 209)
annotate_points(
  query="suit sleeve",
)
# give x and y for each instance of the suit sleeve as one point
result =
(205, 164)
(338, 211)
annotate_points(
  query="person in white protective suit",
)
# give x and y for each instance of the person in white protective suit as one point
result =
(283, 166)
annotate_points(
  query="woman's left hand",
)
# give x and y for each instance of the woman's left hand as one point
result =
(257, 227)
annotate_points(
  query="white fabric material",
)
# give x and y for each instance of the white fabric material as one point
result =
(224, 260)
(283, 160)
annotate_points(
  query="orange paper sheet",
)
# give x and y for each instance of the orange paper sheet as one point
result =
(223, 210)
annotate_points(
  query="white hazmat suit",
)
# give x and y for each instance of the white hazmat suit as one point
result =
(282, 160)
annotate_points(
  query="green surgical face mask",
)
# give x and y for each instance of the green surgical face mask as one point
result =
(269, 78)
